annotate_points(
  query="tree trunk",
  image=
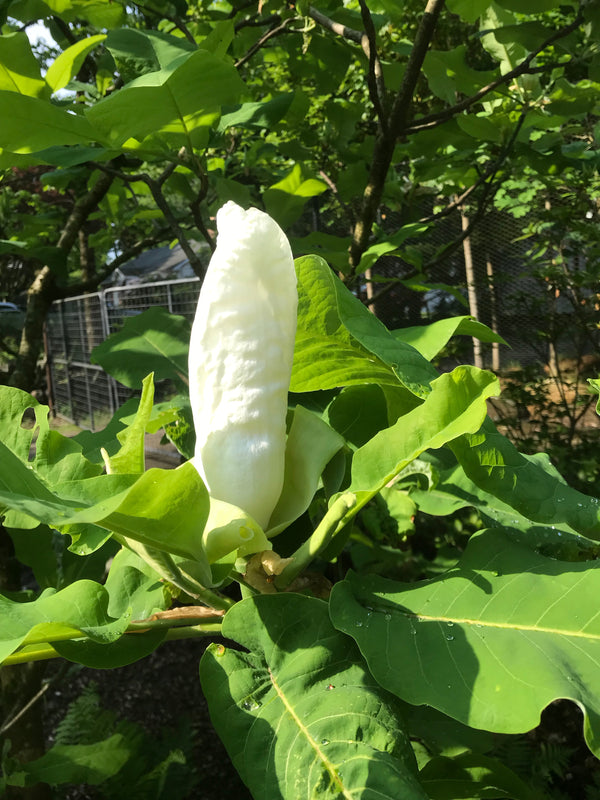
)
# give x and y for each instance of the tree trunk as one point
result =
(471, 289)
(494, 319)
(40, 296)
(43, 291)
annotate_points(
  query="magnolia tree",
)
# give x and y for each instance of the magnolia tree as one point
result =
(318, 435)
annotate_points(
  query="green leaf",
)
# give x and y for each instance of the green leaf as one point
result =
(469, 10)
(529, 484)
(534, 7)
(80, 609)
(286, 199)
(491, 642)
(154, 341)
(509, 54)
(164, 509)
(358, 413)
(456, 404)
(146, 51)
(453, 490)
(130, 457)
(256, 115)
(473, 775)
(25, 430)
(91, 764)
(177, 104)
(310, 446)
(68, 63)
(449, 74)
(429, 340)
(375, 251)
(340, 343)
(19, 70)
(30, 124)
(299, 714)
(480, 127)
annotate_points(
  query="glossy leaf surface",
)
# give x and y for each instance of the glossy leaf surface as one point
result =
(300, 715)
(491, 642)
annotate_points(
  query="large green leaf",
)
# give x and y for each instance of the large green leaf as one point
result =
(430, 339)
(529, 484)
(456, 404)
(285, 200)
(310, 445)
(469, 10)
(154, 341)
(340, 343)
(75, 763)
(177, 103)
(449, 74)
(30, 124)
(19, 70)
(68, 63)
(299, 714)
(491, 643)
(256, 115)
(78, 610)
(509, 54)
(453, 490)
(146, 51)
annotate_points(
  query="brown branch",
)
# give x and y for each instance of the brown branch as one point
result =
(276, 31)
(386, 141)
(81, 210)
(155, 186)
(432, 120)
(257, 22)
(490, 188)
(335, 27)
(179, 23)
(375, 80)
(81, 287)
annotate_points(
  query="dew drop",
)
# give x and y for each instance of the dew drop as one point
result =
(358, 623)
(450, 624)
(388, 617)
(324, 742)
(220, 650)
(449, 638)
(330, 687)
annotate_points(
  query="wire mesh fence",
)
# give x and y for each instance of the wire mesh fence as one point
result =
(81, 391)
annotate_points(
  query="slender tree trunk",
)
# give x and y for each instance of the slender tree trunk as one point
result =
(43, 291)
(40, 296)
(471, 289)
(494, 319)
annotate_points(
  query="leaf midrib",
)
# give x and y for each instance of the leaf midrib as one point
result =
(304, 730)
(500, 625)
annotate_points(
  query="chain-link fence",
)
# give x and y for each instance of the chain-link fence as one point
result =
(82, 392)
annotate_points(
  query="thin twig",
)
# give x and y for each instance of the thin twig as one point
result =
(277, 31)
(8, 723)
(490, 188)
(432, 120)
(385, 143)
(375, 80)
(335, 27)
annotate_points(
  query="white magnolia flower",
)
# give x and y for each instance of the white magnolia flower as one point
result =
(240, 362)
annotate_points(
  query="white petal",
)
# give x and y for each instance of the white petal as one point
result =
(241, 354)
